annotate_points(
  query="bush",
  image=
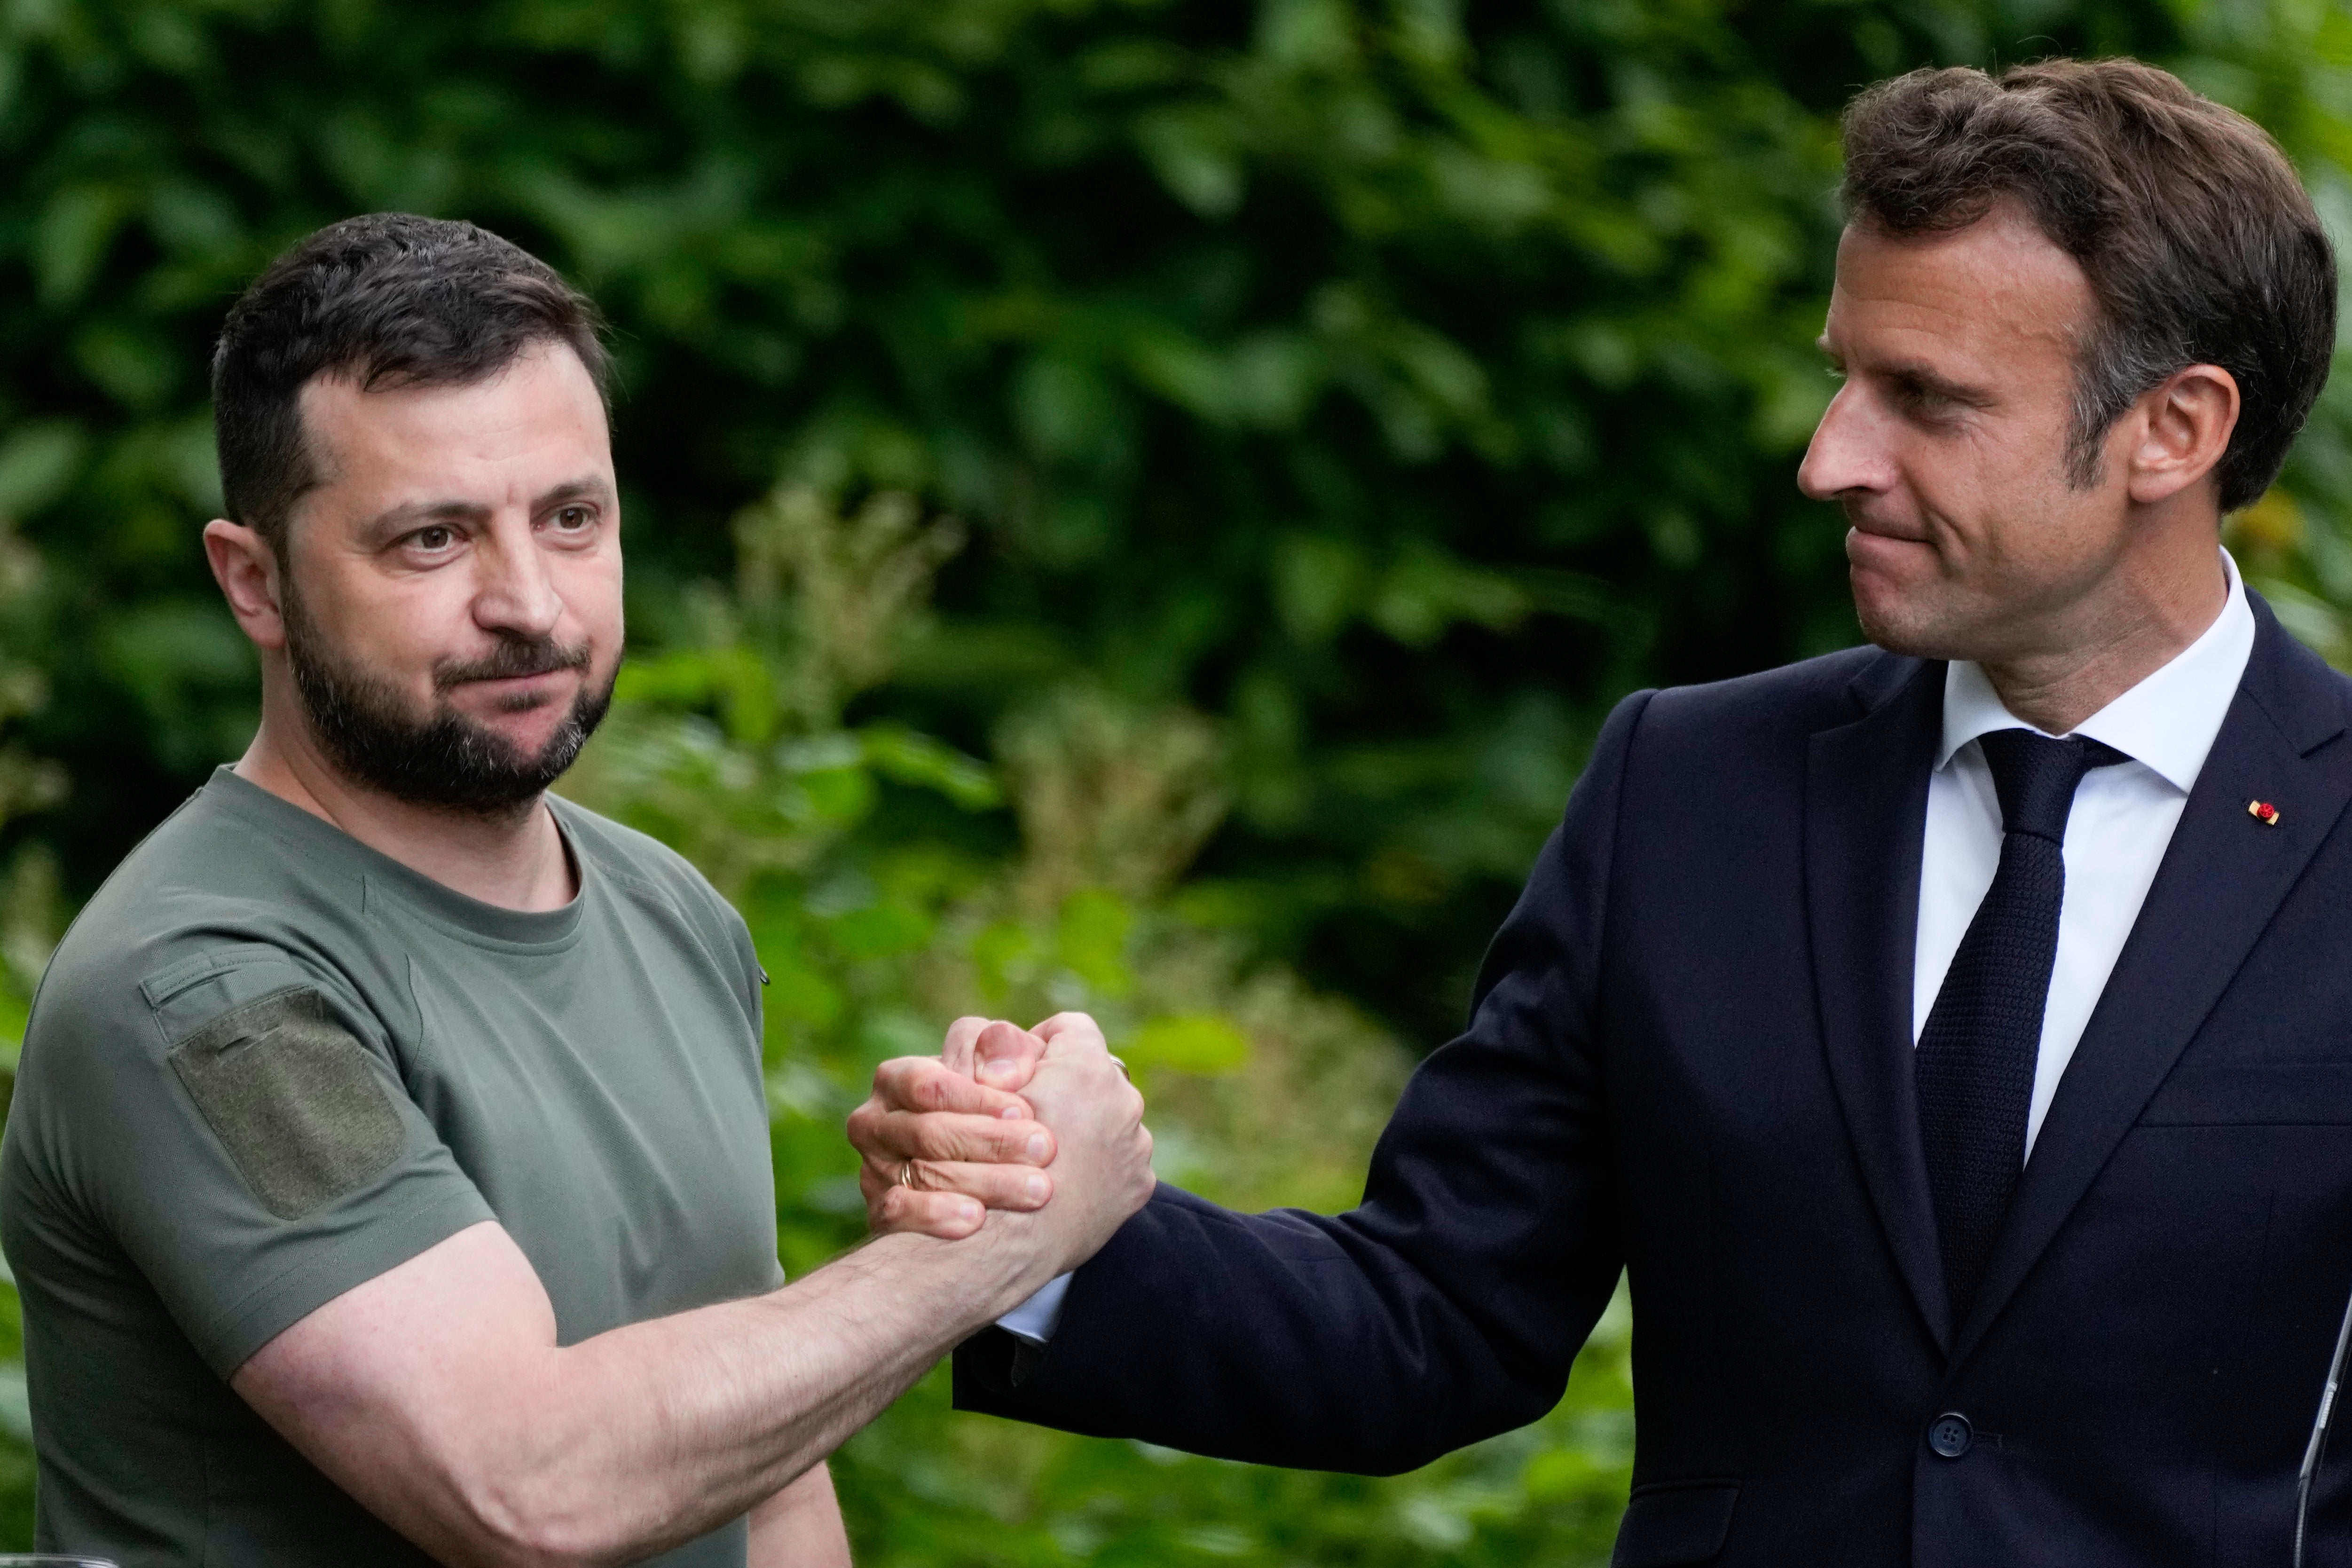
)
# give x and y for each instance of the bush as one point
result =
(1343, 402)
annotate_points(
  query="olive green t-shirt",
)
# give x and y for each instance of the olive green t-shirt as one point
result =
(268, 1064)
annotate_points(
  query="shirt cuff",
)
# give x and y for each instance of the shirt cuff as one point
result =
(1036, 1319)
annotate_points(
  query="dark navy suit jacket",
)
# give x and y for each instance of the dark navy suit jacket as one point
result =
(1690, 1058)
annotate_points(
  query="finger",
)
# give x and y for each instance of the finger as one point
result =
(1065, 1031)
(951, 1216)
(896, 1137)
(1007, 1057)
(889, 1139)
(955, 1051)
(1015, 1187)
(923, 1083)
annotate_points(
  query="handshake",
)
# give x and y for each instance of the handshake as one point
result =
(1039, 1125)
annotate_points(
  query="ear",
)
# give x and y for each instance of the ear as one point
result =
(2185, 427)
(245, 567)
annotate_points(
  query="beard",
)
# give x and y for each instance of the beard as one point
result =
(443, 762)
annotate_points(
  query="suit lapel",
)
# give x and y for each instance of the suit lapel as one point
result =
(2221, 879)
(1865, 812)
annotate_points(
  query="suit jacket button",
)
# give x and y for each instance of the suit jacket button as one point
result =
(1950, 1435)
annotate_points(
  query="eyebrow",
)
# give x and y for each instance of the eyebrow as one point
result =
(418, 514)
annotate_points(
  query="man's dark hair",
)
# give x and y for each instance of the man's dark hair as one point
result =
(385, 299)
(2199, 243)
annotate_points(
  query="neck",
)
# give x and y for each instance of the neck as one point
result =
(2142, 624)
(516, 862)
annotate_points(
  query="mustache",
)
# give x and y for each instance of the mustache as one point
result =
(510, 662)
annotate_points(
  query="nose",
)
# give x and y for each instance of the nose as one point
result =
(1846, 455)
(515, 594)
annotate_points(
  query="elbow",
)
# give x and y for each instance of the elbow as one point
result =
(527, 1481)
(509, 1520)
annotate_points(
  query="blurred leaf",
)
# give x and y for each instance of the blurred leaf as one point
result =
(1092, 938)
(903, 757)
(882, 931)
(1201, 1044)
(37, 463)
(70, 239)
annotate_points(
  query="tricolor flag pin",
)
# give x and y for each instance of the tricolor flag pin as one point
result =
(2263, 811)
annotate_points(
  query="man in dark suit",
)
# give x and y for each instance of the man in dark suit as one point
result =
(1952, 1039)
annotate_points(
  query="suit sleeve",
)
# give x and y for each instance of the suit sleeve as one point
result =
(1448, 1307)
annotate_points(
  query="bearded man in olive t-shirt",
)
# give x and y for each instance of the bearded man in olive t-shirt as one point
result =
(388, 1177)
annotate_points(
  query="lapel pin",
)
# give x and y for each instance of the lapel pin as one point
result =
(2263, 811)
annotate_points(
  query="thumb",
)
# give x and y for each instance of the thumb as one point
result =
(1006, 1057)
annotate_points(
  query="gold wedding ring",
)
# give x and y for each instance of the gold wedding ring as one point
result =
(907, 1175)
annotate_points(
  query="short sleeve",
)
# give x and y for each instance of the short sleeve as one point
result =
(755, 973)
(236, 1123)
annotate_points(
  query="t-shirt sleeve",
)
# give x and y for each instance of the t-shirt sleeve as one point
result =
(236, 1120)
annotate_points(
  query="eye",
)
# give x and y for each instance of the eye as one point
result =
(1923, 398)
(438, 537)
(572, 518)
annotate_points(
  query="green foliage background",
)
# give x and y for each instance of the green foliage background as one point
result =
(1131, 504)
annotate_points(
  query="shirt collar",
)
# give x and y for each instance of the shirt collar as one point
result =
(2167, 721)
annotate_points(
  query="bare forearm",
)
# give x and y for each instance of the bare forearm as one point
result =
(492, 1445)
(661, 1431)
(799, 1527)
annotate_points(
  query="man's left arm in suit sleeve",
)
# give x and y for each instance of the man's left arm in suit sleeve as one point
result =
(1447, 1306)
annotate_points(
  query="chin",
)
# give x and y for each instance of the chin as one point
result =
(528, 739)
(1899, 623)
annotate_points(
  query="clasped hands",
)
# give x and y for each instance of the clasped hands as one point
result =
(1040, 1122)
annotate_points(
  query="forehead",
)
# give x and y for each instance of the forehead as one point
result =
(538, 415)
(1995, 299)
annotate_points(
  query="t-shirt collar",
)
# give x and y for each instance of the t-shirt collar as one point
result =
(331, 850)
(2167, 721)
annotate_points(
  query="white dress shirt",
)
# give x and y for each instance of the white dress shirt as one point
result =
(1036, 1319)
(2123, 819)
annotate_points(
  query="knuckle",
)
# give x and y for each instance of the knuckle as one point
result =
(881, 1137)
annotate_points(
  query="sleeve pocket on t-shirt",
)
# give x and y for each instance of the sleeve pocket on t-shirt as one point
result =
(161, 988)
(291, 1094)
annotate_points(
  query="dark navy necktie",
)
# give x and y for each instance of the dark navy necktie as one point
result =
(1976, 1056)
